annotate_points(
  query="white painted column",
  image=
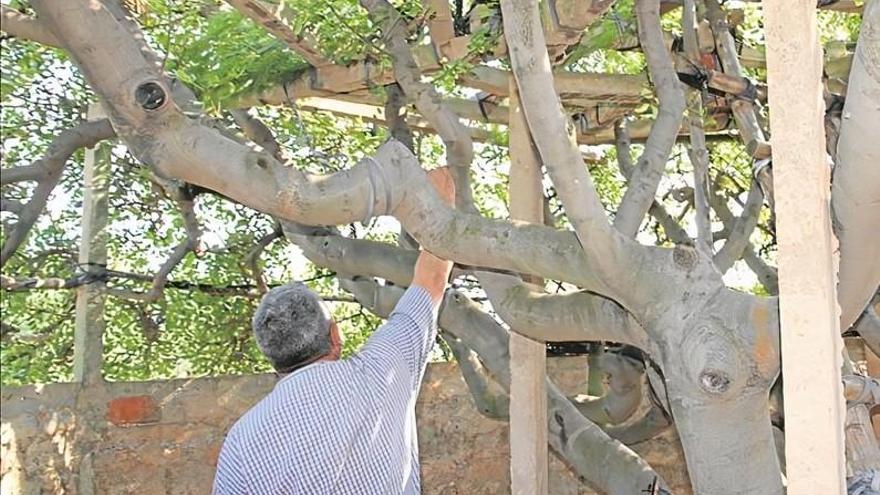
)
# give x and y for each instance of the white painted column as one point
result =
(811, 342)
(528, 358)
(88, 347)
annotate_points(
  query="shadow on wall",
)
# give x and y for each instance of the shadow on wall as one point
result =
(164, 437)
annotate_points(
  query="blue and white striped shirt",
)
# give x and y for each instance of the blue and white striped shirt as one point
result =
(339, 427)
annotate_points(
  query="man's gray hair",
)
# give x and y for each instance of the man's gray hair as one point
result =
(292, 326)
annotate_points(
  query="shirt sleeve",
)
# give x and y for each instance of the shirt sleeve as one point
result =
(228, 480)
(407, 336)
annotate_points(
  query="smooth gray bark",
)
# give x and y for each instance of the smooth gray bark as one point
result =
(855, 190)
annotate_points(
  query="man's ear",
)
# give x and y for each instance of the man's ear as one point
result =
(335, 341)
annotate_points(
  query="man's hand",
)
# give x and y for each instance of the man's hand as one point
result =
(441, 179)
(431, 272)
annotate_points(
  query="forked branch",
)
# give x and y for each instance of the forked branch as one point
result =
(26, 27)
(47, 171)
(649, 170)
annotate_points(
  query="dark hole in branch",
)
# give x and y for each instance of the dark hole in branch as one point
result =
(150, 96)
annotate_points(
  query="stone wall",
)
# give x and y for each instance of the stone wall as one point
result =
(164, 437)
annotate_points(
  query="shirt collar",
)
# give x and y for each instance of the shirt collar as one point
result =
(298, 371)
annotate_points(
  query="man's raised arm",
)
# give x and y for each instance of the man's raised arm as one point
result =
(432, 273)
(411, 328)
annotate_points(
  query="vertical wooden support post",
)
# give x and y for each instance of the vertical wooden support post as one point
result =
(811, 342)
(88, 348)
(528, 358)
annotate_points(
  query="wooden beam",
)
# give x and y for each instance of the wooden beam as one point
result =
(440, 24)
(528, 358)
(743, 110)
(88, 346)
(366, 107)
(845, 6)
(811, 342)
(276, 19)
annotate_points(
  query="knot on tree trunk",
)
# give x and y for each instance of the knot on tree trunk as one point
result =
(712, 360)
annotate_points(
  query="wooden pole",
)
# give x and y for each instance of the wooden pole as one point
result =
(88, 345)
(528, 358)
(811, 342)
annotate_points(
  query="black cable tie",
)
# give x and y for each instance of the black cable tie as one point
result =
(677, 44)
(750, 93)
(481, 101)
(699, 80)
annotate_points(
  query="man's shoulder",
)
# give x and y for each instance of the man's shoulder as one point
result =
(302, 394)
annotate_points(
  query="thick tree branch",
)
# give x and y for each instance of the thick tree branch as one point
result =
(257, 131)
(674, 231)
(545, 317)
(455, 136)
(490, 401)
(26, 27)
(390, 183)
(51, 166)
(766, 274)
(698, 153)
(624, 394)
(575, 316)
(646, 427)
(551, 132)
(855, 190)
(550, 129)
(583, 444)
(649, 170)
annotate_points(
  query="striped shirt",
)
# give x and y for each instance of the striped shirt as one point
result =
(339, 427)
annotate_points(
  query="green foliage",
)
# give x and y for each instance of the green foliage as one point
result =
(447, 77)
(235, 57)
(41, 324)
